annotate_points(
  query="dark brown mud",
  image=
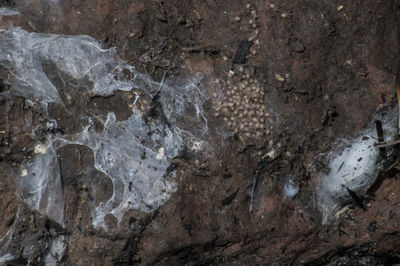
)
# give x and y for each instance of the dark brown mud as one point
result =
(325, 69)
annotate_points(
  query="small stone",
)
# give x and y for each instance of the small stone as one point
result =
(271, 155)
(69, 97)
(53, 232)
(298, 47)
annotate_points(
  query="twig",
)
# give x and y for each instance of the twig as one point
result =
(387, 143)
(194, 48)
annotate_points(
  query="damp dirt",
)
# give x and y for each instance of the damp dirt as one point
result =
(198, 133)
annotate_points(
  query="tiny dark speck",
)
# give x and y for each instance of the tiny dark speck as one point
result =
(359, 159)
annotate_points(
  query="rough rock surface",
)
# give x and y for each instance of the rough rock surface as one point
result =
(326, 68)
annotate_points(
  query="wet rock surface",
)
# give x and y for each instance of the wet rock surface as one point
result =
(246, 192)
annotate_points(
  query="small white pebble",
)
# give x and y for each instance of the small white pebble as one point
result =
(225, 58)
(161, 153)
(248, 6)
(272, 154)
(40, 148)
(24, 172)
(237, 18)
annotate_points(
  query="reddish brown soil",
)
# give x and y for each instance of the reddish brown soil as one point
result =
(342, 64)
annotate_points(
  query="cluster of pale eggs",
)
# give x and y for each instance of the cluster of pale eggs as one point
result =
(239, 101)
